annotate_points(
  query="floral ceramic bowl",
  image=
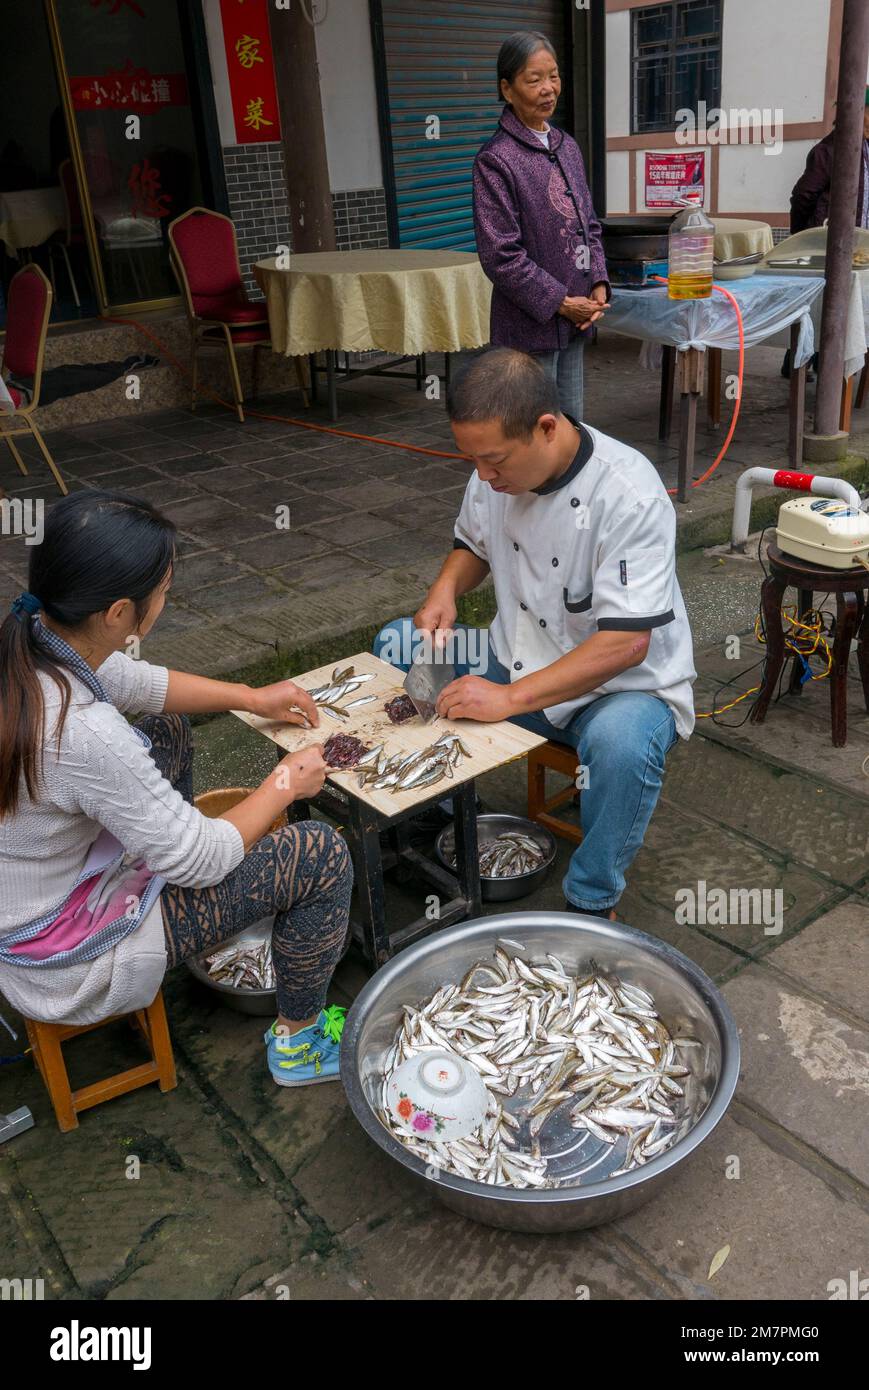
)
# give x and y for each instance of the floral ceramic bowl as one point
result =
(437, 1095)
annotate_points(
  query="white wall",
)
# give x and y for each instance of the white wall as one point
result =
(219, 72)
(775, 55)
(346, 65)
(618, 73)
(751, 181)
(618, 171)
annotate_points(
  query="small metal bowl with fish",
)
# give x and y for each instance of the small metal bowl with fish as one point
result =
(561, 1157)
(242, 957)
(516, 874)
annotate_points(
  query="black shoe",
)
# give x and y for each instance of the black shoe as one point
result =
(587, 911)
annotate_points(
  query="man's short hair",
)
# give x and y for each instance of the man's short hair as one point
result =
(505, 385)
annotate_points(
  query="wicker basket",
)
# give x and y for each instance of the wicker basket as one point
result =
(214, 803)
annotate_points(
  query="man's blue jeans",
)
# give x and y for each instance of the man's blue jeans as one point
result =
(622, 741)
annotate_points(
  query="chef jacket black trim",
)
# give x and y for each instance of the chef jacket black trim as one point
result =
(581, 605)
(463, 545)
(581, 458)
(634, 624)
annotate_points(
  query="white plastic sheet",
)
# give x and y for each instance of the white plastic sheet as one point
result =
(768, 304)
(855, 329)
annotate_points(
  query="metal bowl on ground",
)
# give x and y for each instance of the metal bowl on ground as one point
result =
(686, 1000)
(503, 890)
(262, 1002)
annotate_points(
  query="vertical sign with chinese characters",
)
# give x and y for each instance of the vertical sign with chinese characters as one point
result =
(251, 72)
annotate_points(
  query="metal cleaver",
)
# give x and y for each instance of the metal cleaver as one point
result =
(424, 682)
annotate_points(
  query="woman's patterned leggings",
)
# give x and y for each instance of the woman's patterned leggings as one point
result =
(303, 875)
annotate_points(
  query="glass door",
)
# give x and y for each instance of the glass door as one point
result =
(128, 105)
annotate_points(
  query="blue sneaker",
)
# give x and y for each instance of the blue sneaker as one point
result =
(309, 1056)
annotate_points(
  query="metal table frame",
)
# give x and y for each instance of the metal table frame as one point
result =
(691, 368)
(332, 371)
(362, 827)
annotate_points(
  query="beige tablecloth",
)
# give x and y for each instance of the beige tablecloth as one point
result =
(404, 302)
(856, 330)
(739, 236)
(30, 216)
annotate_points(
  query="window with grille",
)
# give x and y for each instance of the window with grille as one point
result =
(675, 61)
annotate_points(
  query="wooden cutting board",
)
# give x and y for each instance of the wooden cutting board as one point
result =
(490, 745)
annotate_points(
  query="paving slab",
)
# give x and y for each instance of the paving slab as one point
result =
(804, 1066)
(226, 1050)
(681, 852)
(831, 957)
(786, 811)
(789, 1235)
(439, 1255)
(198, 1222)
(313, 1279)
(352, 1184)
(793, 736)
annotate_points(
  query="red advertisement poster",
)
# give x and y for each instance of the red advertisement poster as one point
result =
(670, 176)
(251, 72)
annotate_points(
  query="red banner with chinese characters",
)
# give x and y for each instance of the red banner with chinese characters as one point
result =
(129, 89)
(251, 71)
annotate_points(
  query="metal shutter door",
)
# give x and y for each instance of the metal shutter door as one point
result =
(440, 60)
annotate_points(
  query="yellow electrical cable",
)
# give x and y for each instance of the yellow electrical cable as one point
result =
(812, 624)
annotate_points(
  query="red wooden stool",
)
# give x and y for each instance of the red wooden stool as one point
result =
(555, 757)
(46, 1040)
(852, 620)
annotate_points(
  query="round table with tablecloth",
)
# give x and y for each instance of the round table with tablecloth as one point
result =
(406, 302)
(29, 216)
(741, 236)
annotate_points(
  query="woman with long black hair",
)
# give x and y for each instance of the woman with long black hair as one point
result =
(108, 872)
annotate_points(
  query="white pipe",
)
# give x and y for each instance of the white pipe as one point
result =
(794, 482)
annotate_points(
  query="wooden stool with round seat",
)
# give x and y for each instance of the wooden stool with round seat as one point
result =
(46, 1039)
(852, 620)
(553, 757)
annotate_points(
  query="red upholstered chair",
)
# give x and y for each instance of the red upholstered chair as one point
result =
(204, 255)
(27, 312)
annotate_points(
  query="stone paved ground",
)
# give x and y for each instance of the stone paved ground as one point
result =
(246, 1191)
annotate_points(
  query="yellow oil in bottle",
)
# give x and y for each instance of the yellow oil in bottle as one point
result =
(690, 286)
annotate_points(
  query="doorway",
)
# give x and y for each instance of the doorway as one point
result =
(106, 108)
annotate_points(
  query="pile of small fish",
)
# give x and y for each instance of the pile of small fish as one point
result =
(411, 771)
(343, 750)
(400, 709)
(244, 967)
(507, 856)
(594, 1046)
(343, 683)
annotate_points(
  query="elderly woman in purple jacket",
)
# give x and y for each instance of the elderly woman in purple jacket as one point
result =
(538, 238)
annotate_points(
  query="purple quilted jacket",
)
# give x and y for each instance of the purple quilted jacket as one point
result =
(532, 214)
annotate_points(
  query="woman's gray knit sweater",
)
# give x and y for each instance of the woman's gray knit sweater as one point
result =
(101, 777)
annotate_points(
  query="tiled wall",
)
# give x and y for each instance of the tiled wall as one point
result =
(256, 184)
(360, 218)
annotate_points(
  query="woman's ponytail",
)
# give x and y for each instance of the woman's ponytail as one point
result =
(21, 708)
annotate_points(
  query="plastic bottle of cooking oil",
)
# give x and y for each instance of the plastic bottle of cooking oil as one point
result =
(692, 239)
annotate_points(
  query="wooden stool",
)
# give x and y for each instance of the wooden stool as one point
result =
(852, 620)
(556, 757)
(46, 1040)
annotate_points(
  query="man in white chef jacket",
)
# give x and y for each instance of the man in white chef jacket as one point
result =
(591, 645)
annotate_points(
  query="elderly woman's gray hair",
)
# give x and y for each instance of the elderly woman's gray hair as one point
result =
(515, 53)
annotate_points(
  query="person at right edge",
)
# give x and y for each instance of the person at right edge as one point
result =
(810, 199)
(538, 238)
